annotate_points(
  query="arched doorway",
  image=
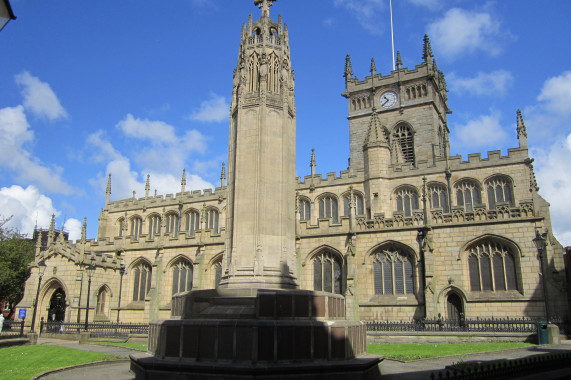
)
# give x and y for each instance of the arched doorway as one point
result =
(454, 308)
(56, 312)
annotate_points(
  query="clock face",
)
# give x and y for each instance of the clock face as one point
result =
(388, 99)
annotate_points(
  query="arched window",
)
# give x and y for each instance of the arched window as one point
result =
(120, 227)
(327, 273)
(182, 272)
(172, 224)
(405, 140)
(407, 200)
(491, 267)
(468, 194)
(499, 190)
(154, 225)
(253, 73)
(217, 270)
(359, 204)
(211, 221)
(304, 209)
(438, 196)
(392, 272)
(102, 302)
(328, 208)
(192, 222)
(136, 227)
(142, 273)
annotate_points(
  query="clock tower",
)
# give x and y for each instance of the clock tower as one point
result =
(410, 106)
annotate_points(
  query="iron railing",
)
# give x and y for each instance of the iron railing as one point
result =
(508, 325)
(97, 330)
(12, 329)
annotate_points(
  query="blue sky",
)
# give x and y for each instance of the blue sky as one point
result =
(137, 87)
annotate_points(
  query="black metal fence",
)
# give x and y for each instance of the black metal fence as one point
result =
(97, 330)
(508, 325)
(12, 329)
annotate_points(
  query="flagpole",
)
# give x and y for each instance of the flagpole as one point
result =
(392, 33)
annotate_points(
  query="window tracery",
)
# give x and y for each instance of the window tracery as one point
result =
(392, 272)
(192, 222)
(136, 227)
(499, 189)
(328, 208)
(492, 267)
(211, 221)
(327, 273)
(406, 200)
(142, 273)
(468, 194)
(304, 209)
(182, 272)
(154, 226)
(438, 196)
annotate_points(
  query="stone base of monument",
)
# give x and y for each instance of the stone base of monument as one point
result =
(255, 334)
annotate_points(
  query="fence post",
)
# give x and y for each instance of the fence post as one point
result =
(22, 327)
(41, 325)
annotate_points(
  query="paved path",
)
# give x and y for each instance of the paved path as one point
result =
(390, 369)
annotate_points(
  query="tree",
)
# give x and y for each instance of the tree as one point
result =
(16, 253)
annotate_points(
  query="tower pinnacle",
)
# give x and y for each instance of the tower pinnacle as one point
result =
(265, 6)
(427, 49)
(521, 131)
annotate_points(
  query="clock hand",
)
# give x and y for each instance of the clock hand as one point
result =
(385, 100)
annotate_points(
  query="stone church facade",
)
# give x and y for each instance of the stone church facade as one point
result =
(406, 232)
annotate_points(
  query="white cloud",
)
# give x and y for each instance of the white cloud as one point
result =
(366, 11)
(554, 179)
(215, 109)
(15, 132)
(481, 132)
(73, 226)
(494, 83)
(28, 207)
(155, 131)
(39, 98)
(556, 93)
(125, 180)
(461, 31)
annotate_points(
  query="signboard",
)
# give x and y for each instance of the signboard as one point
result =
(22, 313)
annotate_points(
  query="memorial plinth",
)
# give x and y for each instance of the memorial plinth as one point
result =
(255, 334)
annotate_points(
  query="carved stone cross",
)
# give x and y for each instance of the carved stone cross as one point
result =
(265, 5)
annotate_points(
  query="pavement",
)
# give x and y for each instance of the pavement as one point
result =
(390, 369)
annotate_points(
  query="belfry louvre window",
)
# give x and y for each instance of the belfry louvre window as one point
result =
(136, 227)
(359, 204)
(491, 267)
(437, 197)
(154, 225)
(304, 209)
(141, 281)
(468, 194)
(328, 208)
(327, 273)
(172, 224)
(405, 140)
(212, 220)
(499, 190)
(407, 200)
(182, 276)
(192, 222)
(392, 272)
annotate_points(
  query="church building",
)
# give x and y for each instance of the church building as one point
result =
(405, 232)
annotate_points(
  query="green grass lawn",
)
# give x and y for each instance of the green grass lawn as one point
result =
(134, 346)
(23, 362)
(414, 351)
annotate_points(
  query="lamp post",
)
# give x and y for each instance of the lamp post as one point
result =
(79, 277)
(90, 269)
(540, 243)
(121, 272)
(41, 269)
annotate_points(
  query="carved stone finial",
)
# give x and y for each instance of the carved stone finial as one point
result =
(521, 131)
(147, 185)
(399, 60)
(373, 67)
(183, 181)
(427, 49)
(223, 175)
(84, 230)
(348, 69)
(265, 6)
(312, 162)
(108, 190)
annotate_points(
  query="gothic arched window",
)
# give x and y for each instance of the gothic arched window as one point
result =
(499, 189)
(142, 273)
(192, 222)
(304, 209)
(154, 225)
(468, 194)
(253, 73)
(405, 139)
(327, 273)
(120, 226)
(102, 302)
(392, 272)
(407, 200)
(172, 224)
(182, 272)
(136, 227)
(211, 221)
(328, 208)
(216, 268)
(438, 196)
(491, 267)
(359, 204)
